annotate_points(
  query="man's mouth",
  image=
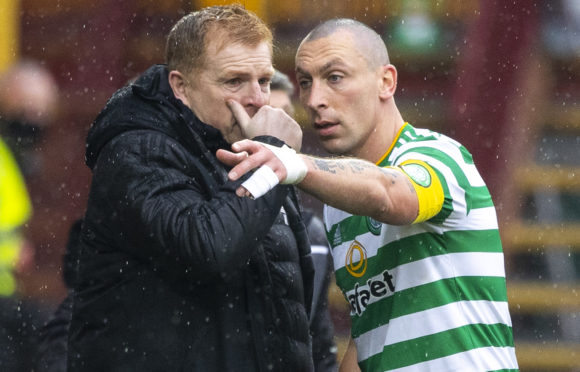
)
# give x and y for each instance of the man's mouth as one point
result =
(325, 128)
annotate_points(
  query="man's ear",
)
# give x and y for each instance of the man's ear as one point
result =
(178, 85)
(388, 81)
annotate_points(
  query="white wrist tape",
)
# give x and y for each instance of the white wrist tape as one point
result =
(263, 180)
(295, 167)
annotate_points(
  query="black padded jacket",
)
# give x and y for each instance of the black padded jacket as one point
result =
(177, 273)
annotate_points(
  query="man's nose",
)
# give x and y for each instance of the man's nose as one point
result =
(256, 96)
(315, 98)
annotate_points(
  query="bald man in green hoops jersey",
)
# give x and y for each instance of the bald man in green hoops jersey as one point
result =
(411, 224)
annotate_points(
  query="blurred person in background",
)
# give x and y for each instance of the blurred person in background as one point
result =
(412, 227)
(16, 328)
(28, 101)
(176, 273)
(323, 346)
(28, 104)
(281, 92)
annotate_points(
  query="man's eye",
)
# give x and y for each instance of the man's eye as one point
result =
(305, 84)
(264, 81)
(234, 82)
(334, 78)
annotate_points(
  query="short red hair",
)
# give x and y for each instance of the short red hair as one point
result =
(188, 39)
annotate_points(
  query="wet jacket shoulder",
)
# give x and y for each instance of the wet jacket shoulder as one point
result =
(175, 270)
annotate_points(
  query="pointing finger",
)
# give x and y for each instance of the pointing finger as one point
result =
(239, 113)
(246, 145)
(230, 158)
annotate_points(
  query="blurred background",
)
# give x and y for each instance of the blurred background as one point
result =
(502, 77)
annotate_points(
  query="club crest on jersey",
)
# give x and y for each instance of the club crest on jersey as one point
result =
(374, 226)
(418, 173)
(356, 259)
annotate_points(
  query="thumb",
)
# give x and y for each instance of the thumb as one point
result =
(239, 113)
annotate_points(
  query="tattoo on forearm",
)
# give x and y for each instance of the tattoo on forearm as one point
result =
(325, 165)
(354, 165)
(359, 166)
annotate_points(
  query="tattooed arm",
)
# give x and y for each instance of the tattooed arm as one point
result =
(362, 188)
(353, 185)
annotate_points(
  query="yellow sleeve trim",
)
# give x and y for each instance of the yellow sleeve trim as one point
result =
(427, 186)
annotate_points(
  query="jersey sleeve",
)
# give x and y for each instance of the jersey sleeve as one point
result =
(464, 190)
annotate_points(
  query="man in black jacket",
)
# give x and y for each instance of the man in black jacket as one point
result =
(176, 273)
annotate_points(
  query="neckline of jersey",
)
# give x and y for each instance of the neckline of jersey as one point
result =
(392, 144)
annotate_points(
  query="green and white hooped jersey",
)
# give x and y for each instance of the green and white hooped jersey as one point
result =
(429, 296)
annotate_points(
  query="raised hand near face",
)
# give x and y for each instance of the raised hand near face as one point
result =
(268, 121)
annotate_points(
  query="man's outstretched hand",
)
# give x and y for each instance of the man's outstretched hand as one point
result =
(246, 156)
(274, 165)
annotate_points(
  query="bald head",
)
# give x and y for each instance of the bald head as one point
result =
(370, 44)
(28, 92)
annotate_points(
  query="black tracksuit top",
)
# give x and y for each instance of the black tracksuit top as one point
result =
(175, 272)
